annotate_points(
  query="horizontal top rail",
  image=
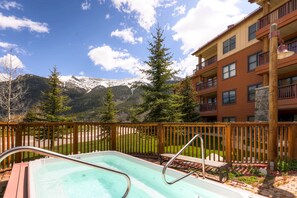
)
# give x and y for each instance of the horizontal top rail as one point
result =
(63, 157)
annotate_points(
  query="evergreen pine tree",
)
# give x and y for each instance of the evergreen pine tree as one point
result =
(189, 104)
(160, 103)
(54, 103)
(109, 113)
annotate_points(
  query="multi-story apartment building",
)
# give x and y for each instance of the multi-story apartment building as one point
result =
(235, 63)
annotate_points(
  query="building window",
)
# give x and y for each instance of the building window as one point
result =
(229, 97)
(229, 71)
(252, 92)
(229, 44)
(253, 61)
(251, 118)
(252, 31)
(229, 119)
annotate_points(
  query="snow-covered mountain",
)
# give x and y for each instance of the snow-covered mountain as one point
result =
(89, 83)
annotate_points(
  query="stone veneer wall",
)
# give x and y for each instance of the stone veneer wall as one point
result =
(261, 104)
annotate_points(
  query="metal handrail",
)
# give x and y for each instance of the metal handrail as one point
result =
(64, 157)
(177, 154)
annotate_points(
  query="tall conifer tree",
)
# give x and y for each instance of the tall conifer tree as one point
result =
(54, 103)
(109, 112)
(160, 103)
(189, 104)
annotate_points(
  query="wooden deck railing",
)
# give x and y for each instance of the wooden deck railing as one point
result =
(230, 142)
(276, 14)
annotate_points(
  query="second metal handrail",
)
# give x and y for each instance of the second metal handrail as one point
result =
(177, 154)
(64, 157)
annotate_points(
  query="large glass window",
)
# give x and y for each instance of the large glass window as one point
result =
(229, 97)
(252, 91)
(229, 71)
(229, 44)
(252, 31)
(253, 61)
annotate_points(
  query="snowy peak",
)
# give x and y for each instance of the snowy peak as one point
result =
(89, 83)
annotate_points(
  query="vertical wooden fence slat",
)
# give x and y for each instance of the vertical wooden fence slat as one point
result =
(228, 144)
(18, 142)
(161, 138)
(292, 142)
(113, 137)
(75, 138)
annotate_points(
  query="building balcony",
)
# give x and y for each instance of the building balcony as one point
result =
(206, 85)
(263, 58)
(287, 96)
(283, 15)
(205, 64)
(208, 107)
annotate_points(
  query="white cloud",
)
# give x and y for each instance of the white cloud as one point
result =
(110, 59)
(180, 10)
(205, 21)
(10, 4)
(170, 3)
(127, 35)
(81, 73)
(7, 46)
(185, 66)
(86, 5)
(18, 24)
(145, 11)
(11, 61)
(101, 1)
(107, 16)
(167, 27)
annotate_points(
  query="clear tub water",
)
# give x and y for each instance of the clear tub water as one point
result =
(56, 178)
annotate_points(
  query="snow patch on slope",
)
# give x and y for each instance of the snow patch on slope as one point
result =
(89, 83)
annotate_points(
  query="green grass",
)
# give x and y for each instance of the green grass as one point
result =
(130, 143)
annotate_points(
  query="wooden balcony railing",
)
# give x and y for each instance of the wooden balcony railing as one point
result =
(206, 85)
(287, 92)
(263, 58)
(208, 107)
(230, 142)
(276, 14)
(205, 63)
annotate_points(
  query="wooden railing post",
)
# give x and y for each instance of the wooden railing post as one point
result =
(228, 143)
(113, 137)
(161, 138)
(75, 138)
(18, 141)
(292, 144)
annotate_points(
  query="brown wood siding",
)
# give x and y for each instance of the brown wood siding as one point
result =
(242, 108)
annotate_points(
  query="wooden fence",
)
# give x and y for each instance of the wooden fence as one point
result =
(231, 142)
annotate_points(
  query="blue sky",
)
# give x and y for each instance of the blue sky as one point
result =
(109, 38)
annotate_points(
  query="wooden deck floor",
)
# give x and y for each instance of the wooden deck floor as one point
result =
(17, 186)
